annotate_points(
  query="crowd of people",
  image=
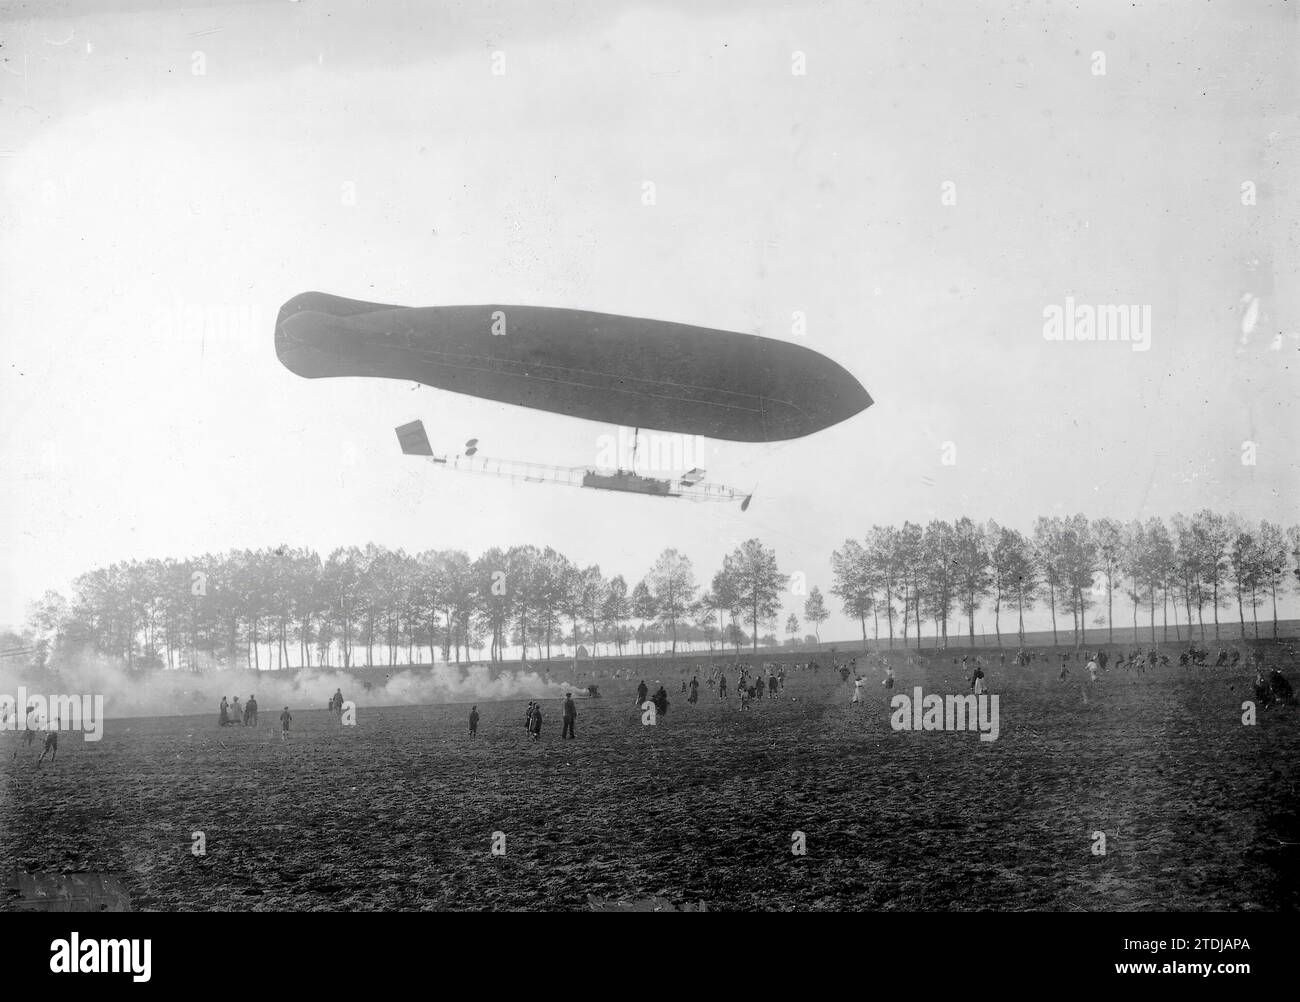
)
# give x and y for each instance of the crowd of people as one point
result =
(768, 680)
(231, 713)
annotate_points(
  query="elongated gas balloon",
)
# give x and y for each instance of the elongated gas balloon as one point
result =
(598, 366)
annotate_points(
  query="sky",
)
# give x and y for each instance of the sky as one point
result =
(934, 181)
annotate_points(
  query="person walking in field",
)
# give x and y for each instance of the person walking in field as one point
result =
(250, 711)
(236, 712)
(641, 691)
(51, 746)
(977, 680)
(473, 720)
(722, 686)
(535, 723)
(29, 733)
(570, 716)
(694, 697)
(857, 689)
(223, 714)
(285, 718)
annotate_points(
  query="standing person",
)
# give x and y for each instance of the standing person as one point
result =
(857, 689)
(570, 715)
(236, 713)
(473, 720)
(641, 691)
(661, 701)
(223, 717)
(1280, 687)
(250, 711)
(29, 732)
(888, 680)
(1263, 693)
(977, 680)
(285, 718)
(336, 703)
(771, 685)
(722, 686)
(535, 723)
(694, 697)
(51, 746)
(1092, 669)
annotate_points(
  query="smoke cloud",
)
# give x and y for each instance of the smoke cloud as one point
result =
(166, 693)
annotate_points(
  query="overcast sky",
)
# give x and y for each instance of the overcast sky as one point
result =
(170, 176)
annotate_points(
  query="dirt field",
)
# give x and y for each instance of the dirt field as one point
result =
(1199, 811)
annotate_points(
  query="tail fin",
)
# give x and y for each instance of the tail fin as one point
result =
(413, 439)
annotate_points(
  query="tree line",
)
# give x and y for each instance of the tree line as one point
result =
(285, 607)
(371, 605)
(947, 570)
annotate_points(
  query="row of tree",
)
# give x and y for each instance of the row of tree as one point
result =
(288, 608)
(934, 573)
(291, 608)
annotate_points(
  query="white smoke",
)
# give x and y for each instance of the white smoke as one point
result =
(164, 693)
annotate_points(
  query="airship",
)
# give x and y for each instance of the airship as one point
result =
(603, 367)
(629, 371)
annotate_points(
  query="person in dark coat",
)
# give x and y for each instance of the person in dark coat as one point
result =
(570, 716)
(473, 720)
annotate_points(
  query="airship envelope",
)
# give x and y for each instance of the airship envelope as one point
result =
(598, 366)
